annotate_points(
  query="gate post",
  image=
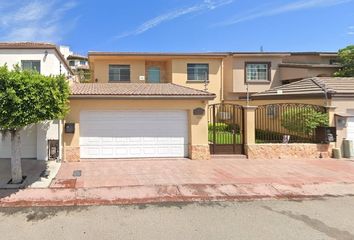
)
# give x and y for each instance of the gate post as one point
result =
(249, 126)
(214, 131)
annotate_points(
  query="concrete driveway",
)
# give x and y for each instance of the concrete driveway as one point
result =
(219, 170)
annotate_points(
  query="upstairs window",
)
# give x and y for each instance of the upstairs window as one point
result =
(119, 73)
(257, 71)
(197, 71)
(72, 63)
(82, 62)
(34, 65)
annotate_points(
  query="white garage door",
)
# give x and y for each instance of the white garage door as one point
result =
(133, 134)
(350, 128)
(28, 146)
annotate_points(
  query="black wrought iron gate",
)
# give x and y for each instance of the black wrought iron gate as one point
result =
(225, 129)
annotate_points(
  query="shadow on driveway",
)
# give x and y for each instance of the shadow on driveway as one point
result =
(34, 170)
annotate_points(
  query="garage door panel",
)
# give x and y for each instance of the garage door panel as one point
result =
(133, 134)
(133, 151)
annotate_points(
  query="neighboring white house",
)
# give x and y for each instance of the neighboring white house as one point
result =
(48, 60)
(78, 63)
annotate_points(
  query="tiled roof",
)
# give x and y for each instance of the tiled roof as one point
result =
(311, 87)
(137, 90)
(24, 45)
(77, 56)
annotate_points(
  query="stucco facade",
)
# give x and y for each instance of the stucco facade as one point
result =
(173, 69)
(49, 59)
(35, 143)
(226, 70)
(197, 125)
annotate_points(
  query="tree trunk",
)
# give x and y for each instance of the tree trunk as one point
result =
(16, 168)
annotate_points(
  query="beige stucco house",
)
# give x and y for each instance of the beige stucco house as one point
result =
(147, 105)
(334, 92)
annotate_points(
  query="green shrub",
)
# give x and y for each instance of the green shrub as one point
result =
(224, 127)
(304, 121)
(219, 127)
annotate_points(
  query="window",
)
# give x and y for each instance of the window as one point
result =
(334, 61)
(82, 62)
(119, 72)
(257, 72)
(72, 63)
(197, 72)
(31, 65)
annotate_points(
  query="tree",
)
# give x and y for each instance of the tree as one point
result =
(346, 59)
(304, 120)
(27, 97)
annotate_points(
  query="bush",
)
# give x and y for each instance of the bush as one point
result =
(219, 127)
(224, 127)
(304, 120)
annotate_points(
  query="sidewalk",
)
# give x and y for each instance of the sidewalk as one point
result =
(129, 182)
(173, 193)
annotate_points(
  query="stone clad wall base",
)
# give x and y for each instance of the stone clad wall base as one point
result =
(199, 152)
(72, 154)
(283, 151)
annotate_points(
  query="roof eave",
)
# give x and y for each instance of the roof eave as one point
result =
(144, 97)
(287, 65)
(260, 54)
(156, 54)
(289, 96)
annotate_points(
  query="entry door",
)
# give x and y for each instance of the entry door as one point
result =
(133, 134)
(154, 75)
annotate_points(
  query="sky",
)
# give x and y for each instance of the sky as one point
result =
(181, 25)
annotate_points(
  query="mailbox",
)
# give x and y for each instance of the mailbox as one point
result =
(198, 111)
(69, 127)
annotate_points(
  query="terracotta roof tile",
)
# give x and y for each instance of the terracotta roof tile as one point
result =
(137, 90)
(312, 87)
(11, 45)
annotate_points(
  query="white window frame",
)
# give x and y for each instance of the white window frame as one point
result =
(257, 71)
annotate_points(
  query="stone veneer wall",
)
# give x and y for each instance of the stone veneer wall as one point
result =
(199, 152)
(72, 154)
(282, 151)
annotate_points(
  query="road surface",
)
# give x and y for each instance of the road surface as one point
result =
(329, 218)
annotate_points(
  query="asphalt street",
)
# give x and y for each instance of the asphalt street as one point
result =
(326, 218)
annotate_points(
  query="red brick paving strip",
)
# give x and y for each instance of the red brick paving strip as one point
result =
(155, 194)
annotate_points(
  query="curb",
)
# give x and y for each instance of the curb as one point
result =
(172, 193)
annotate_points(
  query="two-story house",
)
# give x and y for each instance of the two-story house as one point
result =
(48, 60)
(228, 75)
(156, 104)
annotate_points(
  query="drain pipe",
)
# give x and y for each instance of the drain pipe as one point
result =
(324, 89)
